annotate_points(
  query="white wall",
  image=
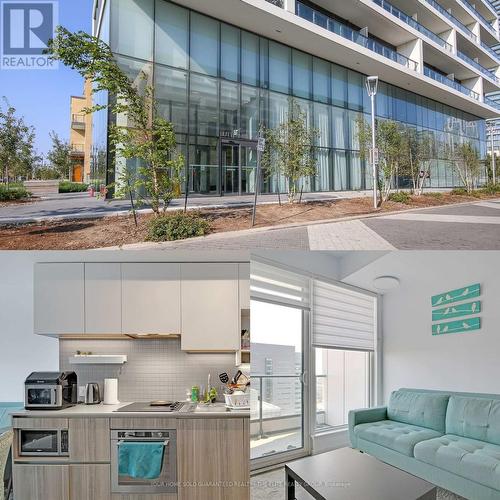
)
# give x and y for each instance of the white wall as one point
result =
(412, 357)
(21, 351)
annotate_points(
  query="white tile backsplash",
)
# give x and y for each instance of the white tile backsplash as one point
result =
(155, 369)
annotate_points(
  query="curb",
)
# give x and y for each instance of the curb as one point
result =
(244, 232)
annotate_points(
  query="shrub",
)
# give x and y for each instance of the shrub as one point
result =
(72, 187)
(13, 193)
(459, 192)
(400, 197)
(177, 226)
(434, 195)
(490, 189)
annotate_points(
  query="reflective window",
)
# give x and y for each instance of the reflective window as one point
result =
(278, 109)
(203, 165)
(322, 124)
(172, 34)
(339, 86)
(323, 169)
(301, 74)
(355, 90)
(229, 109)
(279, 67)
(132, 28)
(321, 80)
(204, 109)
(171, 95)
(204, 44)
(339, 171)
(356, 170)
(230, 52)
(249, 112)
(249, 58)
(339, 128)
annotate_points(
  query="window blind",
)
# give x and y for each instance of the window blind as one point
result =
(275, 284)
(343, 318)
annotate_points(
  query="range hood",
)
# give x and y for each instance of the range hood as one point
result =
(152, 336)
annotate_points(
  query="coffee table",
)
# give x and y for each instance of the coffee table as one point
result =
(348, 474)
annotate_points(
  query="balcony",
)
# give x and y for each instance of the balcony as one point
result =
(450, 83)
(78, 121)
(320, 19)
(77, 149)
(492, 103)
(481, 69)
(414, 24)
(453, 19)
(487, 23)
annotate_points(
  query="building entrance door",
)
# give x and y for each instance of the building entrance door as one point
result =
(239, 167)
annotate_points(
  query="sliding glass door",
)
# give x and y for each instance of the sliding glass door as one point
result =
(280, 394)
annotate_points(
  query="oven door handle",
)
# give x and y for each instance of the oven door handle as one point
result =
(165, 443)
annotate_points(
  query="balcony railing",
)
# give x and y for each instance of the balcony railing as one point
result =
(78, 149)
(278, 3)
(490, 51)
(480, 16)
(449, 82)
(492, 103)
(414, 24)
(453, 19)
(320, 19)
(478, 66)
(78, 121)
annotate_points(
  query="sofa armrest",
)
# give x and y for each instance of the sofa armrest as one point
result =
(364, 416)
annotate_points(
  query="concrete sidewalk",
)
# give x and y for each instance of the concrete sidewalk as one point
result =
(82, 206)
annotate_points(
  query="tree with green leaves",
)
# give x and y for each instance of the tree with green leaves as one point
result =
(141, 135)
(390, 143)
(59, 157)
(467, 165)
(289, 149)
(416, 158)
(17, 153)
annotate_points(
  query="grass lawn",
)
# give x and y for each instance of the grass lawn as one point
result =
(120, 230)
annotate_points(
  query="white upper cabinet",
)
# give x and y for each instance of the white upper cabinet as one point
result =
(210, 307)
(59, 298)
(151, 298)
(103, 298)
(244, 281)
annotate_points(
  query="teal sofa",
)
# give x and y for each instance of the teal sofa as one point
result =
(450, 439)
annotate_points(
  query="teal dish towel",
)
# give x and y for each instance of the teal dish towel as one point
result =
(140, 460)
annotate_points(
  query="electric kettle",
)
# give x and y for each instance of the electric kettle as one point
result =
(92, 394)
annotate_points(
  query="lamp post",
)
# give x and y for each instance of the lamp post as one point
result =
(371, 88)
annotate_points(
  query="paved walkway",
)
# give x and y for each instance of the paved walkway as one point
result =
(81, 205)
(471, 226)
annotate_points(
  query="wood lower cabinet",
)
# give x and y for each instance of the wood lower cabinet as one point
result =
(89, 481)
(41, 482)
(213, 460)
(89, 439)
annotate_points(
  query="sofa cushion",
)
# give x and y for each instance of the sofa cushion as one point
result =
(394, 435)
(475, 418)
(419, 408)
(469, 458)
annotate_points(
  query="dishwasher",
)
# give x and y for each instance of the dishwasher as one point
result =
(166, 482)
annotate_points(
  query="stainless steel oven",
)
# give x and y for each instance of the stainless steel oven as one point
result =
(166, 482)
(43, 443)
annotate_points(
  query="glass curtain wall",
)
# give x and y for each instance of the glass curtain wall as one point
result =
(217, 82)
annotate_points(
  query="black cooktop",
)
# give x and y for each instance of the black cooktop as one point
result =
(157, 406)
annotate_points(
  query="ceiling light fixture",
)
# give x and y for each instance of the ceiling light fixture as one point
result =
(386, 283)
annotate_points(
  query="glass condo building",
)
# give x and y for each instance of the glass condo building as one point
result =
(217, 83)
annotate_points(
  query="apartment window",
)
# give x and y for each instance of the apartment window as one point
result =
(279, 67)
(229, 109)
(204, 109)
(171, 95)
(342, 384)
(339, 86)
(301, 68)
(249, 58)
(230, 52)
(172, 34)
(321, 80)
(249, 112)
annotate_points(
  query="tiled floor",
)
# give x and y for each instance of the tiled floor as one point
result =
(271, 486)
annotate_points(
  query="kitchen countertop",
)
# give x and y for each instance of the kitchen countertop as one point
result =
(217, 410)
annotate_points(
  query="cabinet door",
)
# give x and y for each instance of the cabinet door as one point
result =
(89, 439)
(244, 281)
(103, 298)
(89, 482)
(59, 298)
(225, 441)
(210, 307)
(41, 482)
(151, 298)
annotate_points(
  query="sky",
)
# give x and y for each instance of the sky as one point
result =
(42, 97)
